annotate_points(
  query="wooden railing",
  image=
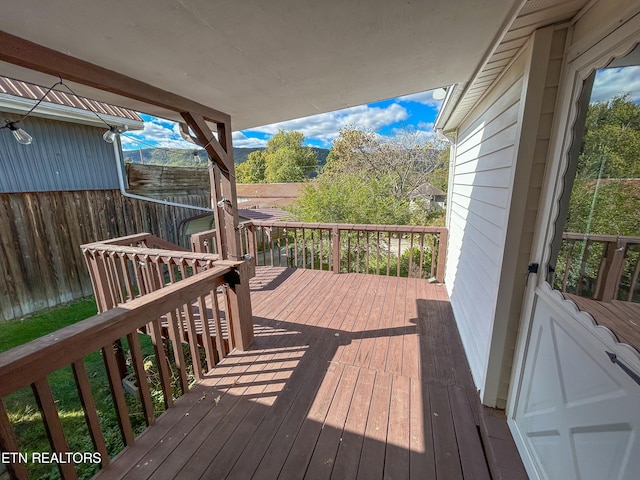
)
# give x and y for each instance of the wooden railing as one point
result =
(397, 250)
(602, 267)
(181, 302)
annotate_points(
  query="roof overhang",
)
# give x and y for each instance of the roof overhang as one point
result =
(463, 97)
(20, 106)
(263, 62)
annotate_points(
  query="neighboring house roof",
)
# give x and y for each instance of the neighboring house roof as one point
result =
(426, 189)
(19, 97)
(274, 214)
(267, 202)
(269, 190)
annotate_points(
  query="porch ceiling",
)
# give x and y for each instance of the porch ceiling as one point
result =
(263, 62)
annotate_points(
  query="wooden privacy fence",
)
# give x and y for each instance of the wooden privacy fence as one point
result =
(397, 250)
(180, 301)
(602, 267)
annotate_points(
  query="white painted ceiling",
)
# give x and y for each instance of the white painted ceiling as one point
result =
(264, 61)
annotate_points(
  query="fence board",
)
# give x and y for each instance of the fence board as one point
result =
(43, 231)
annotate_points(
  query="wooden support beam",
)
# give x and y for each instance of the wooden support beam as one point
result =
(206, 139)
(24, 53)
(223, 187)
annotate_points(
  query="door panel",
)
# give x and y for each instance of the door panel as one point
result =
(578, 413)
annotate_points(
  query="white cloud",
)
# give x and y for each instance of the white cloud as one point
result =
(425, 98)
(326, 127)
(610, 82)
(241, 140)
(157, 133)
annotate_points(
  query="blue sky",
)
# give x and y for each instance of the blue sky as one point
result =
(416, 111)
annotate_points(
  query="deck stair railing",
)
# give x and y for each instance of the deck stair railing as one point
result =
(183, 300)
(601, 267)
(396, 250)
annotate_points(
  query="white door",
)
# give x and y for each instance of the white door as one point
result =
(574, 413)
(578, 413)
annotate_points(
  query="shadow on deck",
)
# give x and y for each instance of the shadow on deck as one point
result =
(350, 376)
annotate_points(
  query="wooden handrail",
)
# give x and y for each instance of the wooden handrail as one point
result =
(23, 365)
(360, 248)
(611, 265)
(180, 305)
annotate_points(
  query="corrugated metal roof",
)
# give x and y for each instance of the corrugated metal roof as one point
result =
(22, 89)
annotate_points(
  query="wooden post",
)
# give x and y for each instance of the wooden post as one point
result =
(228, 188)
(223, 187)
(609, 277)
(442, 254)
(336, 249)
(240, 303)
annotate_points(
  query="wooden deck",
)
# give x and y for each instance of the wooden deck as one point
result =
(622, 318)
(350, 376)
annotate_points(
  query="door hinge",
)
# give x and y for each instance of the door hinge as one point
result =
(531, 268)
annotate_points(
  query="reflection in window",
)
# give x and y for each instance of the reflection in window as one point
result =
(597, 261)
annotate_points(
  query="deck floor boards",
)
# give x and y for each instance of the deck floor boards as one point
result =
(351, 376)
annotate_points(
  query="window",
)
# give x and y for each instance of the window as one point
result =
(596, 252)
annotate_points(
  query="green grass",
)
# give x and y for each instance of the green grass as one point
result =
(18, 332)
(22, 408)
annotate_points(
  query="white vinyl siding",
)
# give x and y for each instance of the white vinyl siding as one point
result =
(482, 180)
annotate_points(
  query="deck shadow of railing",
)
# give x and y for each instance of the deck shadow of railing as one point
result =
(285, 425)
(281, 424)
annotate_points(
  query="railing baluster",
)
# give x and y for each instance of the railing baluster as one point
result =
(52, 424)
(193, 341)
(8, 443)
(175, 335)
(89, 408)
(271, 236)
(155, 330)
(367, 252)
(634, 280)
(567, 265)
(389, 255)
(295, 247)
(279, 247)
(117, 392)
(313, 256)
(141, 374)
(422, 255)
(409, 273)
(124, 261)
(217, 325)
(349, 251)
(400, 235)
(378, 253)
(206, 332)
(357, 251)
(304, 250)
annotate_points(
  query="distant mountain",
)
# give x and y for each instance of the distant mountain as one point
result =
(176, 157)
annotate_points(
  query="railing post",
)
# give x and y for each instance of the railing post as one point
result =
(240, 303)
(609, 276)
(336, 249)
(442, 254)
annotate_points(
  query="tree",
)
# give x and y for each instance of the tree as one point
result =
(368, 179)
(611, 140)
(252, 170)
(284, 160)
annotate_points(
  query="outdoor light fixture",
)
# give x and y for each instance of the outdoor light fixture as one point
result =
(110, 135)
(19, 134)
